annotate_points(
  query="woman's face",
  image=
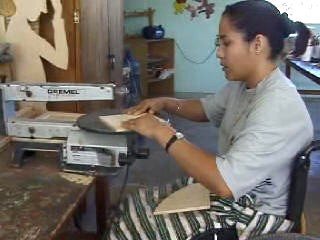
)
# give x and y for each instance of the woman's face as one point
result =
(236, 55)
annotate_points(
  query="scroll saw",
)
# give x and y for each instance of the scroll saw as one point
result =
(85, 144)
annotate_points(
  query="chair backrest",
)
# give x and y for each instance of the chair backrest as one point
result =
(298, 185)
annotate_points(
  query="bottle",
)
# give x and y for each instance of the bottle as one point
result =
(316, 49)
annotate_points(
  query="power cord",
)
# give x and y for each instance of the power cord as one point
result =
(193, 61)
(114, 211)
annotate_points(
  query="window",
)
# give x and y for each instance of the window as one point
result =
(306, 11)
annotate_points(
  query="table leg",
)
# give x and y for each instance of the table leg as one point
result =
(102, 201)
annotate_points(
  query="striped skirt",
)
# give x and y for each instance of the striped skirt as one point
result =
(136, 221)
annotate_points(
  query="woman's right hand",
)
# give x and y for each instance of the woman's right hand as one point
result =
(152, 105)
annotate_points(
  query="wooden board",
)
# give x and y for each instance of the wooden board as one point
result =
(59, 116)
(115, 121)
(190, 198)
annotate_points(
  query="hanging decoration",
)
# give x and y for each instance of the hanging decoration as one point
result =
(194, 7)
(180, 6)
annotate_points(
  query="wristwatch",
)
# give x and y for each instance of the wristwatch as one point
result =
(173, 139)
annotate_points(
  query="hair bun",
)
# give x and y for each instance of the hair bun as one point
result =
(288, 25)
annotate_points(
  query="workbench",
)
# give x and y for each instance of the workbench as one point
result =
(37, 201)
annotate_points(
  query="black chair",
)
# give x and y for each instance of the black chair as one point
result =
(297, 193)
(298, 186)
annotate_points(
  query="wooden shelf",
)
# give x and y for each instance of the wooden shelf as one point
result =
(153, 80)
(146, 13)
(159, 40)
(157, 54)
(129, 37)
(153, 60)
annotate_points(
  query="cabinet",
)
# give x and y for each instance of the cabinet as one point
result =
(94, 31)
(156, 59)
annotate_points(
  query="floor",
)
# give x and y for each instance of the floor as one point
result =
(160, 168)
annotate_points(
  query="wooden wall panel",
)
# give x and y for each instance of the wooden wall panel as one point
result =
(94, 40)
(100, 29)
(94, 47)
(115, 12)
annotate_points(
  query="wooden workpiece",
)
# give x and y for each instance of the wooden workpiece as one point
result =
(192, 197)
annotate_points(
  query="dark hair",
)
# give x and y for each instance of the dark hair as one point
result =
(253, 17)
(302, 39)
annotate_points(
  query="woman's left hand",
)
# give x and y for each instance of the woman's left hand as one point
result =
(146, 125)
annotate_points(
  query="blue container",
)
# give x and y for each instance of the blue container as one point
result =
(153, 32)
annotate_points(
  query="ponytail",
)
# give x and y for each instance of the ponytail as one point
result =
(302, 39)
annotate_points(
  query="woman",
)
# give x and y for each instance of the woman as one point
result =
(258, 136)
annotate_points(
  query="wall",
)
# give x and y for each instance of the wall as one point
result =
(196, 38)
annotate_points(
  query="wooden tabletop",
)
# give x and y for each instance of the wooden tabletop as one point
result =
(38, 199)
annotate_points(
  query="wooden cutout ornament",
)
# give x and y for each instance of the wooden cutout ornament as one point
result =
(194, 9)
(206, 8)
(7, 8)
(27, 47)
(179, 6)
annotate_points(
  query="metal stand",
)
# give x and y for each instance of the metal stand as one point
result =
(20, 148)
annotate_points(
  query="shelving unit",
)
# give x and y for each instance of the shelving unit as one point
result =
(147, 13)
(154, 56)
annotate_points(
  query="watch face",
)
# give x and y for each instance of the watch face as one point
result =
(179, 135)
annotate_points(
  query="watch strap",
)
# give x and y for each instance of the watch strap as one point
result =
(170, 142)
